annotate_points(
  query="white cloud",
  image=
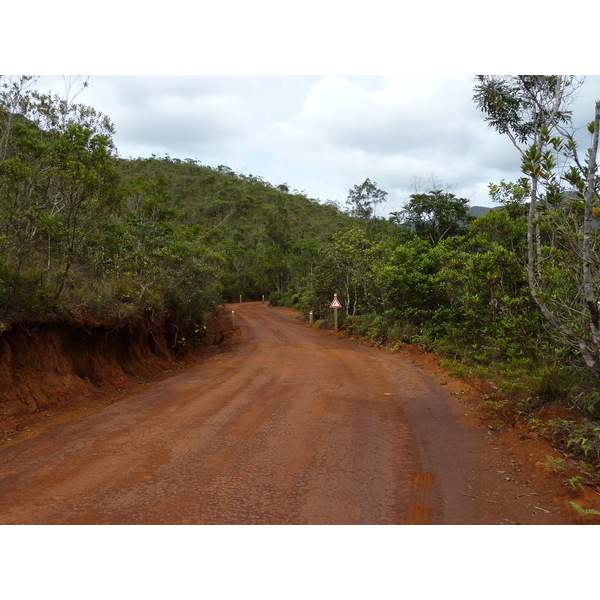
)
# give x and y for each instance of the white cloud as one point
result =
(318, 134)
(181, 116)
(403, 128)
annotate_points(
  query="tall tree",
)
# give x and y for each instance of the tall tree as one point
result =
(364, 198)
(563, 257)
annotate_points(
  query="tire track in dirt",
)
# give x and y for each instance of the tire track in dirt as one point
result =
(291, 426)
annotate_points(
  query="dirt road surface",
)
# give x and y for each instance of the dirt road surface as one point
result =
(292, 425)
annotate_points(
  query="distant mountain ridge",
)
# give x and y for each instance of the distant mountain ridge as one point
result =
(479, 211)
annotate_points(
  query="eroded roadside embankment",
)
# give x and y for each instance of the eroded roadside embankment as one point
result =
(50, 366)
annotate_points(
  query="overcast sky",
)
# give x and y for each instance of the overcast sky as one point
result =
(320, 135)
(410, 120)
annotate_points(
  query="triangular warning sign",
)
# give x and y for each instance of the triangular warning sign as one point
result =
(335, 303)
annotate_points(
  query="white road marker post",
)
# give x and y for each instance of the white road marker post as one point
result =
(335, 304)
(310, 318)
(240, 298)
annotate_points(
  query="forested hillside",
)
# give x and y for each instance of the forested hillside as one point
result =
(86, 235)
(86, 232)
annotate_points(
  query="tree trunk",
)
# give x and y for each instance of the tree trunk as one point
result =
(589, 348)
(590, 197)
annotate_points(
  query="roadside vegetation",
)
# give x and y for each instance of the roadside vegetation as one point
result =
(509, 298)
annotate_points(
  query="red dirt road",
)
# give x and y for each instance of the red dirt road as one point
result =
(290, 426)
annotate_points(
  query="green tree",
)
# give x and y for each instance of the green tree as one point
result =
(563, 260)
(345, 270)
(404, 279)
(364, 198)
(57, 178)
(483, 280)
(434, 216)
(84, 185)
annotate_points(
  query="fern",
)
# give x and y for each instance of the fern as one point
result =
(582, 512)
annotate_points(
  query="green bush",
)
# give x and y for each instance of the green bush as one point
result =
(275, 299)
